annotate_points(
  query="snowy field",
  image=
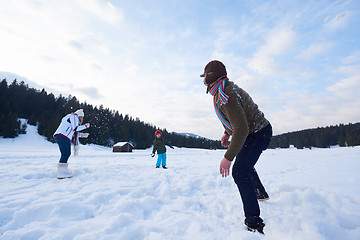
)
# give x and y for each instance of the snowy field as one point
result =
(314, 194)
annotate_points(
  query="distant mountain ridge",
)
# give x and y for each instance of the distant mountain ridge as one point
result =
(191, 135)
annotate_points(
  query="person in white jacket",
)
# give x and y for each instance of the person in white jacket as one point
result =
(69, 127)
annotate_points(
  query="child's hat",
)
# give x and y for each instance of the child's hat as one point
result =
(158, 131)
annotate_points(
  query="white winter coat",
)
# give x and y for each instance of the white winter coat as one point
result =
(69, 125)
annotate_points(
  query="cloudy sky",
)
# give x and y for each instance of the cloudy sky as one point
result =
(298, 59)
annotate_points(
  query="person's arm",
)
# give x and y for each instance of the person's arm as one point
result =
(168, 143)
(237, 118)
(83, 127)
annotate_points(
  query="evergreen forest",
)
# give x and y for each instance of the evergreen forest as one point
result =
(108, 127)
(322, 137)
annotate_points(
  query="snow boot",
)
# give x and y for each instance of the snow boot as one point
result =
(63, 171)
(255, 224)
(164, 167)
(157, 167)
(261, 196)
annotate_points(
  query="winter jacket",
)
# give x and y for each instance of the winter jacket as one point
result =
(160, 148)
(69, 125)
(243, 115)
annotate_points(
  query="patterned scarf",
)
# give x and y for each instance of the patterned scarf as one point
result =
(223, 98)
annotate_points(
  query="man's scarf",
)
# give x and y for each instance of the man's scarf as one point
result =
(223, 99)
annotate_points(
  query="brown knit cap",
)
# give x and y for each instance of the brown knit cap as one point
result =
(213, 71)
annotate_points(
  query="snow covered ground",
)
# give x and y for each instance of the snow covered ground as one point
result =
(314, 194)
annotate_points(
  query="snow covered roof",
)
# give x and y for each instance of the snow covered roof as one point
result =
(120, 144)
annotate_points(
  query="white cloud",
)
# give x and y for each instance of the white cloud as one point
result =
(90, 92)
(249, 81)
(315, 50)
(309, 74)
(57, 42)
(300, 110)
(103, 9)
(354, 58)
(277, 42)
(349, 87)
(262, 64)
(338, 103)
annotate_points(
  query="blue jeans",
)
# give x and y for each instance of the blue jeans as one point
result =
(242, 170)
(64, 146)
(161, 160)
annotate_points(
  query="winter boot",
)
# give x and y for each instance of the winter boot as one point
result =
(261, 196)
(164, 167)
(63, 171)
(255, 224)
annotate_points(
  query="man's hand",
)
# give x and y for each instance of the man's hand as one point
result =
(225, 140)
(225, 167)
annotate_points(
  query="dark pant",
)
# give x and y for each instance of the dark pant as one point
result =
(242, 170)
(64, 146)
(259, 188)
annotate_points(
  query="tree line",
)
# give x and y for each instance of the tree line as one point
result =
(108, 127)
(321, 137)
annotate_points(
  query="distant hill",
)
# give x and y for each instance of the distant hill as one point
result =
(191, 135)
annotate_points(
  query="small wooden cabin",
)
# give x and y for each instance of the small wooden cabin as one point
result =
(123, 147)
